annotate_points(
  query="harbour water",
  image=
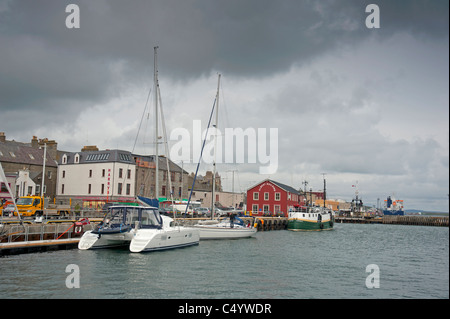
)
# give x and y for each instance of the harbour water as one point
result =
(413, 262)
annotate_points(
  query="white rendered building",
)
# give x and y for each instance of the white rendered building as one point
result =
(102, 176)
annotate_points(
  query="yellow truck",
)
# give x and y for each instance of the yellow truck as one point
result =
(37, 206)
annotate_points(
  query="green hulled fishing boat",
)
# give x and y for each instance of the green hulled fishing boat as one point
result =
(310, 218)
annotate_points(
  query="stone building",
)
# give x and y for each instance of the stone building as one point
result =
(29, 157)
(146, 181)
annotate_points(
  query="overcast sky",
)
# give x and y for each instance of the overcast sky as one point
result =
(361, 105)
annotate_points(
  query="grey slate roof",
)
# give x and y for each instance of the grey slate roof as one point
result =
(105, 156)
(23, 153)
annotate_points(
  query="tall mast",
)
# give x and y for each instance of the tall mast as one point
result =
(156, 124)
(215, 146)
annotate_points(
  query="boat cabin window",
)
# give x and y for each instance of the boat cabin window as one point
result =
(115, 216)
(150, 217)
(132, 215)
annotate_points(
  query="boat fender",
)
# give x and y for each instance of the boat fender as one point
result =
(321, 225)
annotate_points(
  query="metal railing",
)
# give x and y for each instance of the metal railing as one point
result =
(36, 232)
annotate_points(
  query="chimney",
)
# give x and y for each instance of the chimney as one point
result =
(90, 148)
(2, 137)
(34, 142)
(52, 147)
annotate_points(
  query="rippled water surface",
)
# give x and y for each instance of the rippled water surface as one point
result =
(413, 263)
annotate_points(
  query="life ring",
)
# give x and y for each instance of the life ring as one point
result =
(78, 228)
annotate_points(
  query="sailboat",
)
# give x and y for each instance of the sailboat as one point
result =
(163, 234)
(232, 227)
(142, 227)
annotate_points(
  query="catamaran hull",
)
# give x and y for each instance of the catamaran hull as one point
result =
(90, 240)
(146, 240)
(225, 233)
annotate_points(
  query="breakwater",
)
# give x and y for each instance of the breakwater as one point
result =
(398, 220)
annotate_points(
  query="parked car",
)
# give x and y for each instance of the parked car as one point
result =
(203, 211)
(8, 209)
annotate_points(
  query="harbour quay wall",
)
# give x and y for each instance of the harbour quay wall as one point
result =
(398, 220)
(417, 220)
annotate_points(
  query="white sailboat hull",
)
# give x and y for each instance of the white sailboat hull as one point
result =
(161, 239)
(217, 232)
(94, 241)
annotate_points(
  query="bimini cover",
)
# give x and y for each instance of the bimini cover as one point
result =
(153, 202)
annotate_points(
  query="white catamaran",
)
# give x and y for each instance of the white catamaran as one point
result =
(141, 227)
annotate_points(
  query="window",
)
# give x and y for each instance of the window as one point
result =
(266, 208)
(64, 159)
(163, 193)
(62, 188)
(77, 158)
(255, 196)
(277, 196)
(129, 173)
(103, 189)
(266, 196)
(128, 189)
(277, 208)
(49, 174)
(90, 173)
(254, 208)
(172, 176)
(119, 189)
(89, 188)
(63, 174)
(179, 191)
(120, 172)
(31, 156)
(103, 172)
(12, 154)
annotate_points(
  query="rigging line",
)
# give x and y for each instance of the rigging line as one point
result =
(201, 154)
(224, 107)
(142, 118)
(125, 176)
(166, 146)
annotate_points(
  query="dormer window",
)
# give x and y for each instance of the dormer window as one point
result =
(77, 158)
(64, 159)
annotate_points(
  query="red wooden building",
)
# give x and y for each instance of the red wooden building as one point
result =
(272, 198)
